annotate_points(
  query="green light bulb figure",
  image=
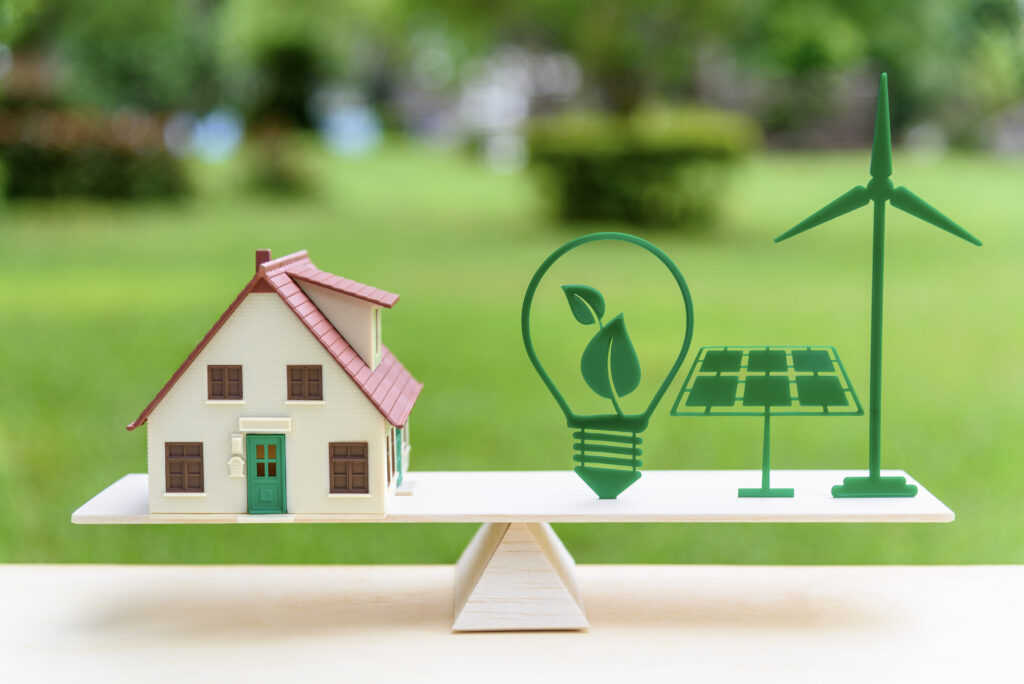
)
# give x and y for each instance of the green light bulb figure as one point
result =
(880, 189)
(607, 445)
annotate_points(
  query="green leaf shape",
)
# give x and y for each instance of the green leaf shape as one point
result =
(586, 303)
(610, 360)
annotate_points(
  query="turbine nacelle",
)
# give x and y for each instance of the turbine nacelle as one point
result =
(880, 189)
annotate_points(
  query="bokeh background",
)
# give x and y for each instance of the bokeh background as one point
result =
(442, 148)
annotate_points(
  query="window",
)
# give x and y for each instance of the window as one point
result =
(184, 466)
(349, 471)
(266, 460)
(223, 382)
(304, 383)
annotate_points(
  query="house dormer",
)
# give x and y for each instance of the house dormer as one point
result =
(356, 319)
(352, 308)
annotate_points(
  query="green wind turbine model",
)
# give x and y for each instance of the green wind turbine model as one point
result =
(880, 189)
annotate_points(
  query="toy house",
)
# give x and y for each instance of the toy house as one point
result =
(289, 404)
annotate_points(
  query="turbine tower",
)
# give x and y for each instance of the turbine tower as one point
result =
(880, 189)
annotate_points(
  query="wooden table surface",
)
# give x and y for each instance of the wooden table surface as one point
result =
(650, 624)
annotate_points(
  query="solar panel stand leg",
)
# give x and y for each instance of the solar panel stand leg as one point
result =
(766, 452)
(766, 490)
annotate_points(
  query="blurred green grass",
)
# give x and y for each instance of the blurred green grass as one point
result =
(99, 303)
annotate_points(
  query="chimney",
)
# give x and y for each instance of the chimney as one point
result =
(262, 257)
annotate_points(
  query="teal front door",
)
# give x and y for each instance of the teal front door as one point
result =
(265, 471)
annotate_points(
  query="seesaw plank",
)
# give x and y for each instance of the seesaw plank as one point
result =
(559, 496)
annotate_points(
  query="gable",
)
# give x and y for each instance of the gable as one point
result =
(264, 337)
(388, 386)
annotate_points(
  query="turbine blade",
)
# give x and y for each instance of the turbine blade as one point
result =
(881, 146)
(855, 198)
(907, 201)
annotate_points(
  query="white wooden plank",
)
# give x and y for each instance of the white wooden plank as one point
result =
(559, 496)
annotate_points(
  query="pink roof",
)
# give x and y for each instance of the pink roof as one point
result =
(299, 267)
(390, 387)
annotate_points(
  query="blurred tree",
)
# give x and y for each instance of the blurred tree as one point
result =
(14, 16)
(628, 51)
(955, 60)
(275, 55)
(801, 38)
(963, 61)
(123, 52)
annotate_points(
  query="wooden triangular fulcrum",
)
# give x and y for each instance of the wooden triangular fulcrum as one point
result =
(516, 576)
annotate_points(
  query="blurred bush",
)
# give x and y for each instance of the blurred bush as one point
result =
(49, 153)
(663, 166)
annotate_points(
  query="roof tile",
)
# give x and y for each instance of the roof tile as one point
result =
(304, 270)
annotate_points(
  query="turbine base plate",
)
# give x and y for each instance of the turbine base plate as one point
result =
(867, 487)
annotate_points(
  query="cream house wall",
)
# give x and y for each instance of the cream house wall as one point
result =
(354, 318)
(264, 336)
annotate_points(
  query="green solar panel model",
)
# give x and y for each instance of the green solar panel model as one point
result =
(767, 381)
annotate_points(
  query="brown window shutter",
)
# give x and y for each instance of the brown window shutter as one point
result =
(216, 385)
(234, 381)
(313, 390)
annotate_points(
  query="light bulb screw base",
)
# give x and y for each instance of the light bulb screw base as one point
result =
(608, 459)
